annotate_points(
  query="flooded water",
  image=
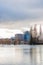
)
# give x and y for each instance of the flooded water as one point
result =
(21, 55)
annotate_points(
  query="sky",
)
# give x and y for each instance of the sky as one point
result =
(19, 12)
(21, 9)
(9, 33)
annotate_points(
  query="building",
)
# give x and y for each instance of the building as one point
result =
(27, 37)
(19, 38)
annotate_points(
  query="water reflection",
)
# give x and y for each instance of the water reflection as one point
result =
(31, 55)
(21, 55)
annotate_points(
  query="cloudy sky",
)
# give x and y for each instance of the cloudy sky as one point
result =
(21, 10)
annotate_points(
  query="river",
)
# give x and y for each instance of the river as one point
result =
(21, 54)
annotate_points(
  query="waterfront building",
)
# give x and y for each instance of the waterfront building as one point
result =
(27, 37)
(19, 38)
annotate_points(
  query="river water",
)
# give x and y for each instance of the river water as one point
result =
(21, 54)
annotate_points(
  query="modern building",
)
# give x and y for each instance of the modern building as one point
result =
(19, 38)
(27, 37)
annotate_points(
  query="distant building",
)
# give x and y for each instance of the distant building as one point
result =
(27, 36)
(19, 38)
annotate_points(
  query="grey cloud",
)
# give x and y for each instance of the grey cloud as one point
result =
(21, 9)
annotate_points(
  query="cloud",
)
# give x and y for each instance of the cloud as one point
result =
(21, 9)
